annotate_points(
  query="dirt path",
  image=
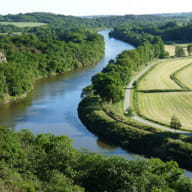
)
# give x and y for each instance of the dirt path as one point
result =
(127, 104)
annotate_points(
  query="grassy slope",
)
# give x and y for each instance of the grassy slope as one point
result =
(185, 75)
(23, 24)
(170, 49)
(162, 106)
(159, 77)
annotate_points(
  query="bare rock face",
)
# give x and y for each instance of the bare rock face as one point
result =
(2, 57)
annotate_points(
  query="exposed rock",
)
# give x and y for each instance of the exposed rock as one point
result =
(2, 57)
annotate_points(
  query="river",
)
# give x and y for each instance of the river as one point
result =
(51, 107)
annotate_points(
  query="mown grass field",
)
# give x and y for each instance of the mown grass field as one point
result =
(23, 24)
(161, 106)
(185, 75)
(170, 49)
(159, 77)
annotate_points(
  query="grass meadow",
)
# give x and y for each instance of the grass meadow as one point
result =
(185, 76)
(23, 24)
(161, 106)
(159, 77)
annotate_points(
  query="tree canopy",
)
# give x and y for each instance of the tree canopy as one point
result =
(48, 163)
(45, 52)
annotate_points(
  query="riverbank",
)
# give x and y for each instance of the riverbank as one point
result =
(126, 132)
(31, 56)
(8, 98)
(135, 137)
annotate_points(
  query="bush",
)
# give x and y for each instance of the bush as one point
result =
(175, 123)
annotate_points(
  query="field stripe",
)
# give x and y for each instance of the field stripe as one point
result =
(159, 77)
(167, 98)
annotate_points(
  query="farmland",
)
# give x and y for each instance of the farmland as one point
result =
(159, 77)
(169, 99)
(185, 75)
(171, 49)
(162, 106)
(23, 24)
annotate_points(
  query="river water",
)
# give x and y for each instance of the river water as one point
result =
(52, 106)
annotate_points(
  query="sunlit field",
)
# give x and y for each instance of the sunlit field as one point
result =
(161, 106)
(185, 75)
(159, 77)
(23, 24)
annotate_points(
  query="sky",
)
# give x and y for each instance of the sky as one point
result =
(95, 7)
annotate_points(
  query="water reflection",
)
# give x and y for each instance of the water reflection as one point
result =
(105, 145)
(52, 105)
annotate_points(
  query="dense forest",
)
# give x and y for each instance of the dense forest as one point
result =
(48, 163)
(46, 51)
(95, 21)
(170, 32)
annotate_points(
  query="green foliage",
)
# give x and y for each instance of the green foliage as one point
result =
(3, 87)
(58, 182)
(135, 136)
(169, 32)
(175, 123)
(48, 52)
(110, 82)
(96, 22)
(148, 45)
(87, 91)
(49, 163)
(179, 52)
(129, 112)
(189, 49)
(107, 86)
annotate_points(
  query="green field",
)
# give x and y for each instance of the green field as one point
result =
(159, 77)
(185, 75)
(171, 49)
(160, 106)
(23, 24)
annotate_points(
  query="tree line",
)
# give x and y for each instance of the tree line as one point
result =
(48, 163)
(43, 53)
(170, 32)
(93, 22)
(110, 82)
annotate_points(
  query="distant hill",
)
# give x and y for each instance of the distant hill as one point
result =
(96, 21)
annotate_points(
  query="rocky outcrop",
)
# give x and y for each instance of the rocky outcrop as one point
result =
(2, 57)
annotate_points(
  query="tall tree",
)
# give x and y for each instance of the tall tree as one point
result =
(175, 123)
